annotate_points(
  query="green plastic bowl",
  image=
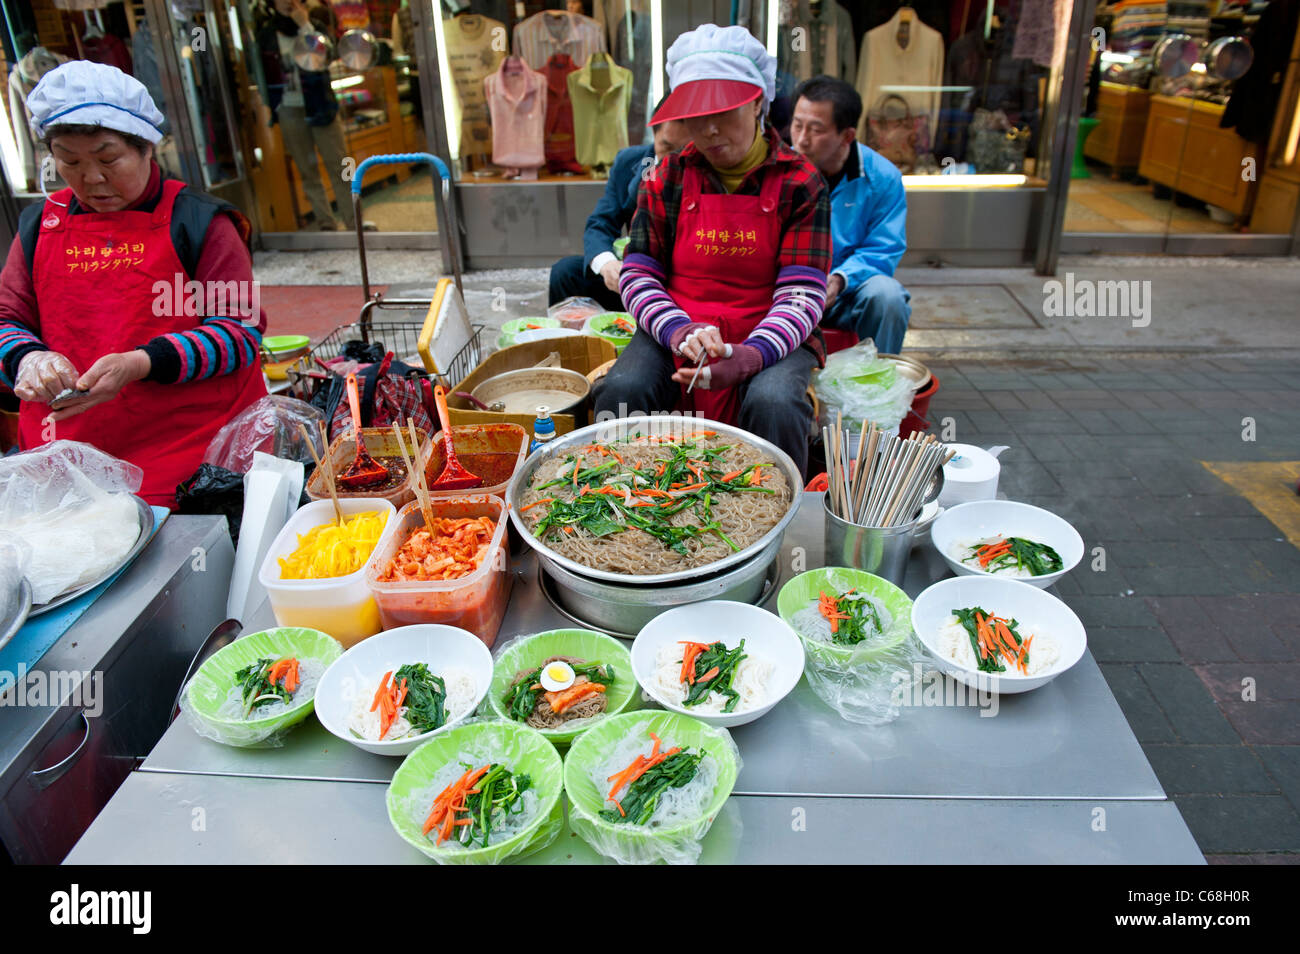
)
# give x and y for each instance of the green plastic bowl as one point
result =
(601, 326)
(632, 843)
(582, 643)
(284, 344)
(515, 325)
(620, 246)
(206, 692)
(803, 589)
(520, 749)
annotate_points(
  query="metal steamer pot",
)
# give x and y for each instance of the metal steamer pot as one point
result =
(586, 588)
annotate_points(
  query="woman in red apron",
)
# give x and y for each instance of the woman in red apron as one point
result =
(725, 271)
(128, 314)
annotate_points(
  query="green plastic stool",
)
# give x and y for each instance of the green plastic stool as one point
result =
(1080, 168)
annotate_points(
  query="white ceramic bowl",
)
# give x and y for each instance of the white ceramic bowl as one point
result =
(989, 518)
(1035, 611)
(360, 668)
(766, 636)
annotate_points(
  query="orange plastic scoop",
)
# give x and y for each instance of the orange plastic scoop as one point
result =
(453, 476)
(364, 471)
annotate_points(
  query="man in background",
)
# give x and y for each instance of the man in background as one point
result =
(594, 274)
(868, 214)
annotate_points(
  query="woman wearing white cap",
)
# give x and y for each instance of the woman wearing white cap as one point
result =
(730, 246)
(104, 335)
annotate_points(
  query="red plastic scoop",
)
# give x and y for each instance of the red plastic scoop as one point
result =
(453, 476)
(364, 470)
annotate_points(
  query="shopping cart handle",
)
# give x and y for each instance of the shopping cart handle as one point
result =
(399, 159)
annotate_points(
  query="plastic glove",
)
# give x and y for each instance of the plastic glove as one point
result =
(43, 376)
(104, 379)
(693, 340)
(743, 363)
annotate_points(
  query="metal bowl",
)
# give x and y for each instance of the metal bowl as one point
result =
(650, 425)
(622, 610)
(569, 387)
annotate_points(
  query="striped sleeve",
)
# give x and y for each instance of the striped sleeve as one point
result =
(16, 341)
(797, 305)
(641, 284)
(218, 346)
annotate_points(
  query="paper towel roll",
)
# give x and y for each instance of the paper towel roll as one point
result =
(971, 475)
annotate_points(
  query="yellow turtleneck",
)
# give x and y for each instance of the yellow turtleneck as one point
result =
(732, 177)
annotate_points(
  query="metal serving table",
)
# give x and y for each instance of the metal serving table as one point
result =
(116, 670)
(1059, 752)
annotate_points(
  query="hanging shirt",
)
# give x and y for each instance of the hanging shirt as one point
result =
(883, 63)
(517, 105)
(826, 44)
(471, 59)
(600, 115)
(543, 35)
(559, 115)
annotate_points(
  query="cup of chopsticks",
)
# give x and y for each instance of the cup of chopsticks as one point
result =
(874, 497)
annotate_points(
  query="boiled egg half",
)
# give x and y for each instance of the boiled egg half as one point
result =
(557, 676)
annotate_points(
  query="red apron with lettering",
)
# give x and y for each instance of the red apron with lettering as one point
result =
(725, 260)
(95, 275)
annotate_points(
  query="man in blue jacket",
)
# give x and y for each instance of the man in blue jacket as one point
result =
(868, 214)
(594, 273)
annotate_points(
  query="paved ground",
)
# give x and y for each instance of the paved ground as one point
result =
(1195, 619)
(1123, 430)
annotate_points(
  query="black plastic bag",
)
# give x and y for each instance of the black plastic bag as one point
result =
(214, 490)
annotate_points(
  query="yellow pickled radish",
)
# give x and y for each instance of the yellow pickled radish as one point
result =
(331, 550)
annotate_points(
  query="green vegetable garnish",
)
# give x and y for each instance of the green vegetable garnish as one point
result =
(426, 697)
(713, 669)
(988, 659)
(675, 771)
(1016, 553)
(256, 688)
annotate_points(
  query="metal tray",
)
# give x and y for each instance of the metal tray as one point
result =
(146, 533)
(647, 424)
(16, 609)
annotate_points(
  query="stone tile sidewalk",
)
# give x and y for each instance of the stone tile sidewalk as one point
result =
(1195, 617)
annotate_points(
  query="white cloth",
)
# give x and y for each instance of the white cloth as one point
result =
(883, 64)
(544, 34)
(721, 53)
(97, 95)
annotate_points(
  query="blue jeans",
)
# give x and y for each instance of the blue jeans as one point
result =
(878, 309)
(774, 403)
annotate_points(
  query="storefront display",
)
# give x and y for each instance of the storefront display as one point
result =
(474, 50)
(516, 97)
(601, 94)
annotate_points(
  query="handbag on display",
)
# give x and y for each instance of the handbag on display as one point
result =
(996, 145)
(895, 132)
(391, 392)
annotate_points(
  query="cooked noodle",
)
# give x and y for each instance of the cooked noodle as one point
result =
(743, 516)
(544, 717)
(750, 681)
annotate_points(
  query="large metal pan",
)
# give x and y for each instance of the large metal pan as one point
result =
(650, 425)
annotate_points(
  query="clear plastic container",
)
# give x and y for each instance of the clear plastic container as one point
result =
(476, 602)
(380, 443)
(342, 607)
(491, 444)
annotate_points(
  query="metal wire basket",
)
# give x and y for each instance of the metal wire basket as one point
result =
(400, 337)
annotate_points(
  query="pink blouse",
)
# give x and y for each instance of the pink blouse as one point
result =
(517, 105)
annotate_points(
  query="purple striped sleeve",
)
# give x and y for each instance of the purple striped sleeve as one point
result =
(797, 306)
(219, 346)
(641, 284)
(15, 342)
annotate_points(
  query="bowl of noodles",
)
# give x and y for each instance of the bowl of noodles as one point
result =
(645, 787)
(240, 696)
(651, 500)
(593, 680)
(879, 614)
(481, 793)
(433, 675)
(722, 662)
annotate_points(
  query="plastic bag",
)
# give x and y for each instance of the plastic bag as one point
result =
(477, 742)
(269, 425)
(15, 558)
(868, 689)
(574, 312)
(630, 844)
(862, 387)
(214, 490)
(69, 498)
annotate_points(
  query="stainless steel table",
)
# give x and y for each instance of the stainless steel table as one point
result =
(1063, 750)
(116, 669)
(170, 818)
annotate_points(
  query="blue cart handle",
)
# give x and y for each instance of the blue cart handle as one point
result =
(399, 159)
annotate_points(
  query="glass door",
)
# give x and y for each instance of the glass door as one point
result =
(1177, 124)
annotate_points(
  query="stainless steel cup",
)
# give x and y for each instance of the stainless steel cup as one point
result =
(882, 551)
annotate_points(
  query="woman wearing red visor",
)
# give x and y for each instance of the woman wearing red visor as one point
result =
(730, 246)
